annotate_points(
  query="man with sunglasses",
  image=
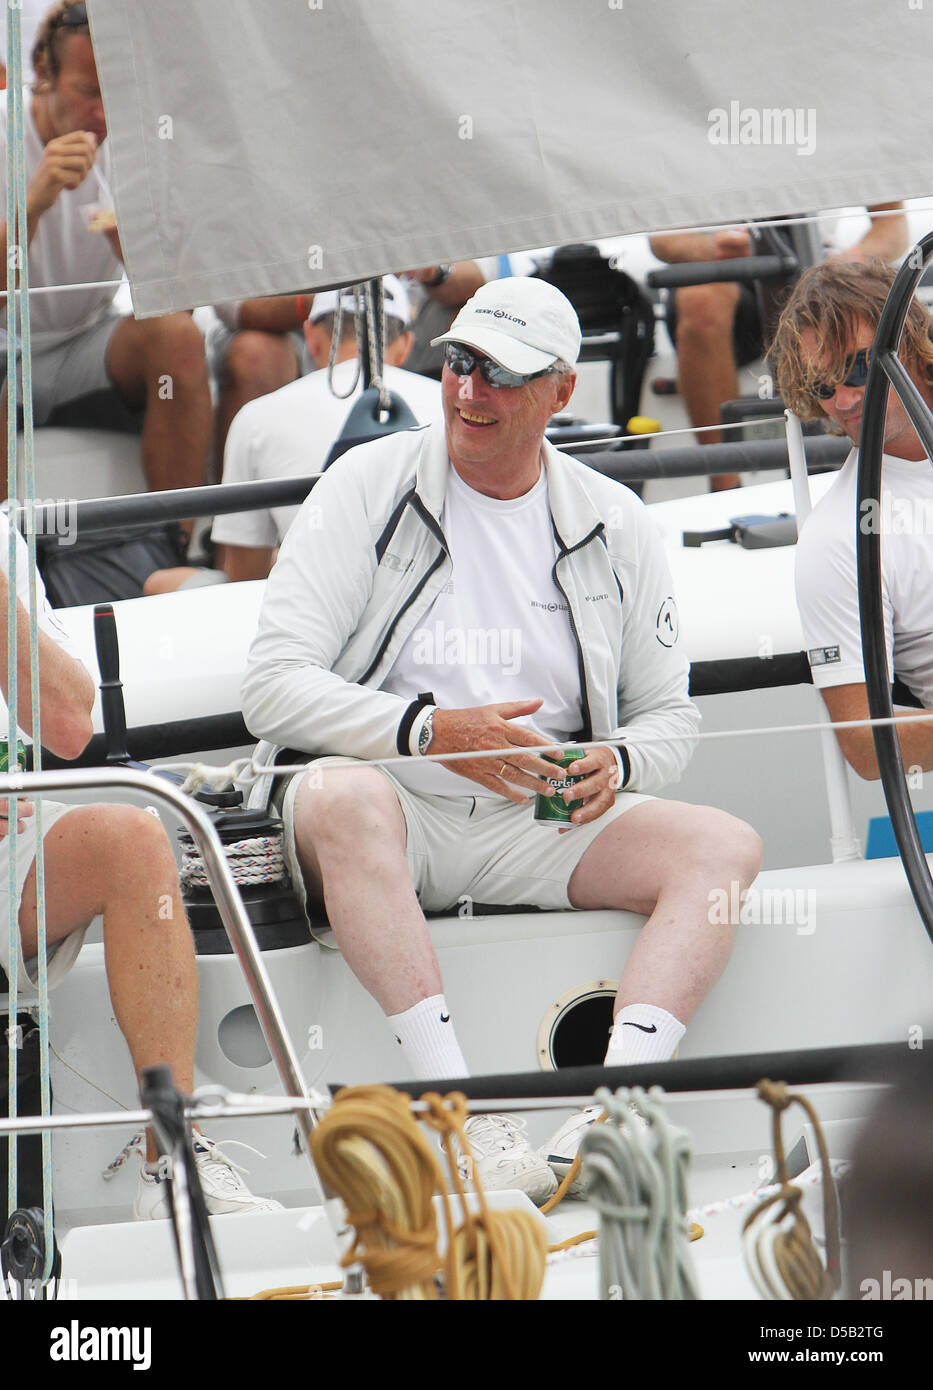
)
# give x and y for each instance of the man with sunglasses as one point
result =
(820, 354)
(81, 344)
(461, 588)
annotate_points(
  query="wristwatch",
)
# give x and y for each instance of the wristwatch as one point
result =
(426, 734)
(443, 274)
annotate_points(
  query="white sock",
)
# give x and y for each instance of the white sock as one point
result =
(643, 1033)
(428, 1040)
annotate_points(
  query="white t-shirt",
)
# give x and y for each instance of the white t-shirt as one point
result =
(289, 433)
(48, 622)
(500, 630)
(63, 250)
(827, 585)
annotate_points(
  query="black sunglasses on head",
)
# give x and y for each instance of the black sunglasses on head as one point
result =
(463, 361)
(856, 375)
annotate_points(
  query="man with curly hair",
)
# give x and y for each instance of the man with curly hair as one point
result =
(820, 357)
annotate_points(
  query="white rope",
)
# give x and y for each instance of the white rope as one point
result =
(811, 1175)
(202, 775)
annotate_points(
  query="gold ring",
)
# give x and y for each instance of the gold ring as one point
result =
(502, 769)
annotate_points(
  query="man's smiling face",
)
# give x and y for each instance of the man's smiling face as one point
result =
(488, 425)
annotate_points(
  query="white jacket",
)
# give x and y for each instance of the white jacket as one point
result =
(364, 561)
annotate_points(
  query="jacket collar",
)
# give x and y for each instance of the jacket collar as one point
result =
(572, 510)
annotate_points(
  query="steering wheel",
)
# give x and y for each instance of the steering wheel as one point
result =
(886, 368)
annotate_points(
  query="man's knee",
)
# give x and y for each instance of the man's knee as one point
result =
(342, 807)
(258, 363)
(173, 345)
(126, 842)
(706, 311)
(721, 843)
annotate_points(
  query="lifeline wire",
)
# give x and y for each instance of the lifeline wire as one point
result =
(14, 129)
(246, 771)
(16, 196)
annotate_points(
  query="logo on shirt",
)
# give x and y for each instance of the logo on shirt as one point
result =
(443, 645)
(396, 562)
(550, 607)
(823, 656)
(667, 625)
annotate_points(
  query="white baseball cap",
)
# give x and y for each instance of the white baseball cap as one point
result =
(521, 322)
(397, 304)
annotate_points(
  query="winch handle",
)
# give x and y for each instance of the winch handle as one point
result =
(112, 707)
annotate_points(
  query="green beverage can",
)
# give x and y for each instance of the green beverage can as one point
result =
(5, 756)
(554, 809)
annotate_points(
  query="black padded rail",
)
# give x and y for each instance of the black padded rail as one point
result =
(744, 270)
(101, 514)
(880, 1063)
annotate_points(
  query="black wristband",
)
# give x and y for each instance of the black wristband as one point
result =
(626, 764)
(408, 718)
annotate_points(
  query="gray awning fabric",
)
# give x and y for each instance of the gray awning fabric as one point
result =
(265, 146)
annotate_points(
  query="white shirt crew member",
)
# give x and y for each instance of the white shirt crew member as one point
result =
(827, 576)
(289, 434)
(500, 630)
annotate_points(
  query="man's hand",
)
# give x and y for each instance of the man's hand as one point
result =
(66, 162)
(491, 726)
(600, 772)
(23, 808)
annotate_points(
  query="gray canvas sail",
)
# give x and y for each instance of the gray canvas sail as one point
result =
(263, 146)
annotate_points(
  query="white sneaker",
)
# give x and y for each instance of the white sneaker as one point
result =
(504, 1159)
(224, 1190)
(561, 1149)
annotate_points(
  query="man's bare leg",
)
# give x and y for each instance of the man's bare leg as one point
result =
(159, 363)
(707, 373)
(256, 364)
(117, 861)
(350, 835)
(667, 859)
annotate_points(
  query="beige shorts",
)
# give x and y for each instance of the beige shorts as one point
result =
(62, 956)
(472, 849)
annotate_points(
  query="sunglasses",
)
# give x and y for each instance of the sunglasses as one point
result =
(462, 361)
(857, 375)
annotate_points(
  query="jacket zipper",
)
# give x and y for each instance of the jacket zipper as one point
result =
(436, 531)
(587, 731)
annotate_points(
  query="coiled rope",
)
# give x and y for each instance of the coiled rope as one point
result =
(779, 1250)
(636, 1167)
(369, 1150)
(259, 860)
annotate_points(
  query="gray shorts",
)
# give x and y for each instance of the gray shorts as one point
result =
(62, 956)
(70, 370)
(466, 849)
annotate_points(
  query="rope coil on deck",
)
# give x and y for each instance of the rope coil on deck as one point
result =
(779, 1250)
(370, 1151)
(636, 1167)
